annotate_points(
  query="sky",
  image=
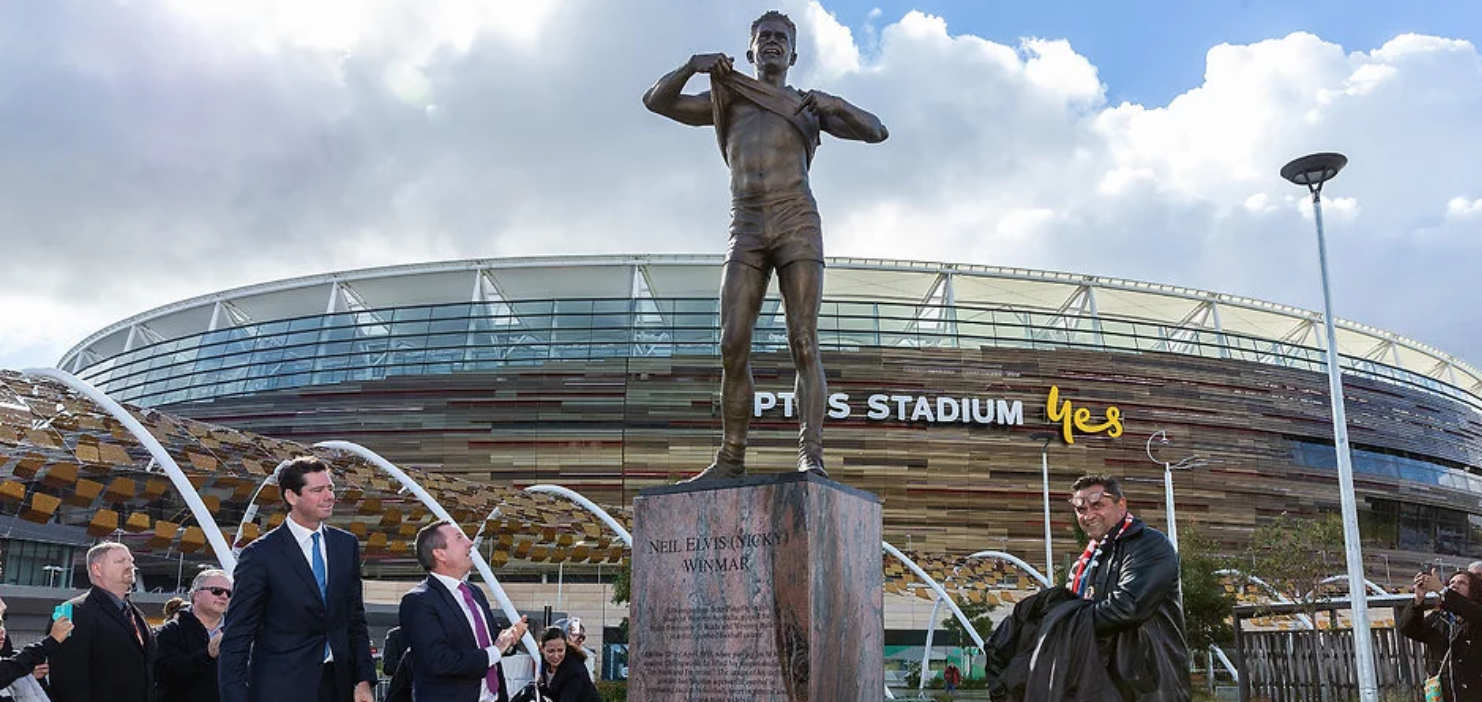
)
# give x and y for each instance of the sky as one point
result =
(155, 150)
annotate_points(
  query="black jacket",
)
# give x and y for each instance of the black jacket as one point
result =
(108, 658)
(1139, 622)
(1461, 680)
(571, 682)
(1053, 629)
(183, 669)
(14, 667)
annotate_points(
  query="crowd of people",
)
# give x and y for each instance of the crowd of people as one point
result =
(289, 625)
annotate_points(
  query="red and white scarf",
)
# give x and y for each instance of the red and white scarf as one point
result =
(1085, 566)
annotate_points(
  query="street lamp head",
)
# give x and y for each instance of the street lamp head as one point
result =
(1044, 436)
(1313, 170)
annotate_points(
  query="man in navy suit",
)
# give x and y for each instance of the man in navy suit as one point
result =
(296, 629)
(447, 623)
(111, 652)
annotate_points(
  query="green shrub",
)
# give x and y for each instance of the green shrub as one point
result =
(613, 690)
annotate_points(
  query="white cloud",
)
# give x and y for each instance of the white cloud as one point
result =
(156, 151)
(1461, 208)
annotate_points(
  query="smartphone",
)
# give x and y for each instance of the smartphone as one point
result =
(62, 610)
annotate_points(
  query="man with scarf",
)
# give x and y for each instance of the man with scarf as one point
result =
(1129, 574)
(767, 133)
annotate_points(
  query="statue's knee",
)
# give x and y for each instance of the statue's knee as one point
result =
(804, 351)
(734, 351)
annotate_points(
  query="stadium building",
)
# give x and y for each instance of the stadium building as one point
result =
(949, 383)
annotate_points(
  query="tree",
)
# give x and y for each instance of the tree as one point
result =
(622, 592)
(1295, 555)
(1207, 606)
(977, 614)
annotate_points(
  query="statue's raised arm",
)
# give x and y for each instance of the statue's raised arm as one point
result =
(666, 96)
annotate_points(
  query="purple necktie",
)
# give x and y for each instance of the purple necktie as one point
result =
(481, 632)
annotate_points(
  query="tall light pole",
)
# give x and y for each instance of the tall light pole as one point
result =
(1312, 171)
(1044, 468)
(1195, 461)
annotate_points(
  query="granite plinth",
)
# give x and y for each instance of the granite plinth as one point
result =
(767, 588)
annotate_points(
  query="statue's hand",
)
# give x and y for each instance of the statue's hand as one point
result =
(714, 64)
(821, 103)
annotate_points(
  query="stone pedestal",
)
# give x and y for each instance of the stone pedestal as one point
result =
(767, 588)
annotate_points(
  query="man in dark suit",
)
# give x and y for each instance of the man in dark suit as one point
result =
(110, 654)
(189, 644)
(296, 628)
(446, 624)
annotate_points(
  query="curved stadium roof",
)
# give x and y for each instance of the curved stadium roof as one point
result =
(481, 313)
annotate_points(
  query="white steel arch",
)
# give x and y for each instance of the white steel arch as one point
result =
(224, 556)
(1373, 587)
(432, 505)
(587, 504)
(931, 626)
(250, 512)
(936, 587)
(1275, 593)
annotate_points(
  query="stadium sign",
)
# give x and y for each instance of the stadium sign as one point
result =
(945, 409)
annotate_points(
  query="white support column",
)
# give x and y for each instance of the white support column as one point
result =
(1219, 328)
(1095, 316)
(432, 505)
(222, 549)
(334, 297)
(215, 317)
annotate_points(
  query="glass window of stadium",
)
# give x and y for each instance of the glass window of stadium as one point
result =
(35, 563)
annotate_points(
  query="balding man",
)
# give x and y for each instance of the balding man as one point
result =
(110, 654)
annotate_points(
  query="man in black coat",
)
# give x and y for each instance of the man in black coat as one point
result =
(185, 667)
(110, 654)
(1129, 573)
(452, 648)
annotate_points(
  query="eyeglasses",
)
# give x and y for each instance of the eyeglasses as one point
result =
(218, 591)
(578, 637)
(1090, 502)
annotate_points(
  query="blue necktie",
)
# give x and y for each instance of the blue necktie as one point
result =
(321, 576)
(321, 573)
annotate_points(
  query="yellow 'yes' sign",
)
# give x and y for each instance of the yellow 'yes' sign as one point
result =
(1079, 419)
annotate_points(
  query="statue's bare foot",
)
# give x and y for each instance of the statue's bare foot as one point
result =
(812, 464)
(718, 471)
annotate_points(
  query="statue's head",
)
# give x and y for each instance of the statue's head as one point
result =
(773, 42)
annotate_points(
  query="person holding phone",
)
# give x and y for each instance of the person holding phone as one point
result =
(25, 661)
(110, 654)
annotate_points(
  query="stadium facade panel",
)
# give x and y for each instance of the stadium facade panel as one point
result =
(601, 373)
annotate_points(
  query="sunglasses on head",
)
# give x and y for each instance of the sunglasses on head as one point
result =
(218, 591)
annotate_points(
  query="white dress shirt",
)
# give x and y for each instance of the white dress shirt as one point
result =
(305, 539)
(494, 655)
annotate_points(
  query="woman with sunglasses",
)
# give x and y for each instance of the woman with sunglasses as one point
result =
(185, 667)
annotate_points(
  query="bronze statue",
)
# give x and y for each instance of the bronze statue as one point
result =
(767, 131)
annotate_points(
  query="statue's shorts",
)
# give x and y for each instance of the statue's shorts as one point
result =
(769, 232)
